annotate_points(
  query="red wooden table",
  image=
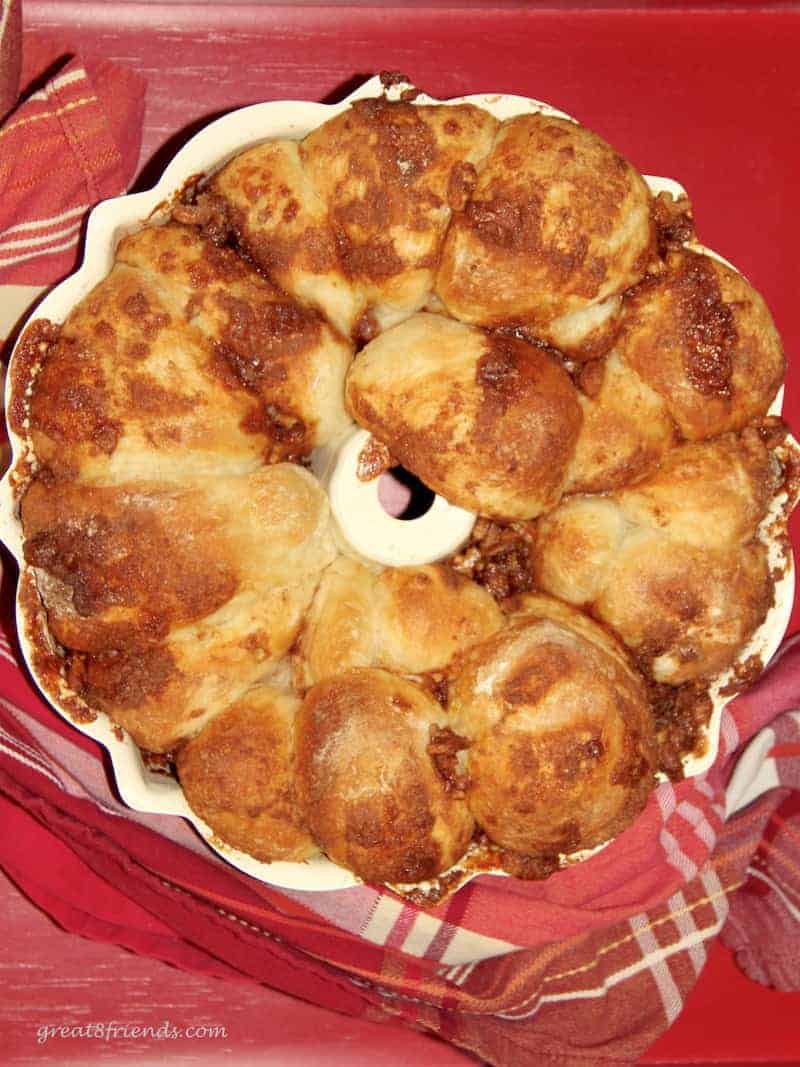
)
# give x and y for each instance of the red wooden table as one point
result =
(710, 97)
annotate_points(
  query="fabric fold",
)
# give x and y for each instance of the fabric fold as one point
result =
(589, 966)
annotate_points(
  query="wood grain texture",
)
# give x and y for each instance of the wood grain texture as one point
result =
(711, 99)
(50, 977)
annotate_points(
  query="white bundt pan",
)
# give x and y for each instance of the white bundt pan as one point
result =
(155, 793)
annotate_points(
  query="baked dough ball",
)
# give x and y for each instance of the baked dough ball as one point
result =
(711, 495)
(375, 799)
(671, 564)
(412, 620)
(184, 362)
(625, 432)
(685, 611)
(353, 218)
(488, 422)
(558, 224)
(704, 339)
(391, 173)
(238, 776)
(175, 601)
(585, 334)
(279, 218)
(562, 753)
(262, 341)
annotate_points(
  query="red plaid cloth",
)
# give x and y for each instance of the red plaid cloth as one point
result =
(70, 143)
(587, 967)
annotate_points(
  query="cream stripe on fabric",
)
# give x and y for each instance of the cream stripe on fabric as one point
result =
(793, 911)
(701, 784)
(709, 879)
(792, 891)
(42, 224)
(28, 763)
(659, 968)
(677, 857)
(665, 796)
(38, 252)
(699, 823)
(729, 732)
(465, 973)
(468, 947)
(61, 81)
(40, 239)
(382, 920)
(27, 750)
(619, 976)
(422, 933)
(755, 773)
(684, 920)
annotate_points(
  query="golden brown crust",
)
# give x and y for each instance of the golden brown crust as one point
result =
(412, 620)
(280, 221)
(390, 173)
(557, 221)
(562, 753)
(711, 494)
(429, 614)
(238, 776)
(703, 338)
(176, 557)
(372, 793)
(123, 565)
(172, 602)
(352, 219)
(259, 339)
(489, 422)
(671, 563)
(626, 429)
(685, 611)
(184, 360)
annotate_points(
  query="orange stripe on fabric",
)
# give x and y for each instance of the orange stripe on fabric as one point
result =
(473, 1006)
(46, 141)
(774, 852)
(725, 860)
(604, 950)
(100, 161)
(71, 106)
(790, 889)
(228, 902)
(785, 749)
(80, 136)
(436, 987)
(669, 917)
(788, 828)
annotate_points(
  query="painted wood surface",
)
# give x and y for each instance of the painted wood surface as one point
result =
(51, 979)
(711, 98)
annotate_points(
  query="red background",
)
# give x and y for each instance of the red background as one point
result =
(710, 97)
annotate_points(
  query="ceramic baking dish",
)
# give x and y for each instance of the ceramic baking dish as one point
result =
(141, 787)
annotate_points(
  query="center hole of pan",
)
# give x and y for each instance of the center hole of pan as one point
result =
(403, 496)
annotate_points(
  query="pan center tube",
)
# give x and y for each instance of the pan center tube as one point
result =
(384, 519)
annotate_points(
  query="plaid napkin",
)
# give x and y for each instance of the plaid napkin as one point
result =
(70, 142)
(593, 963)
(588, 966)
